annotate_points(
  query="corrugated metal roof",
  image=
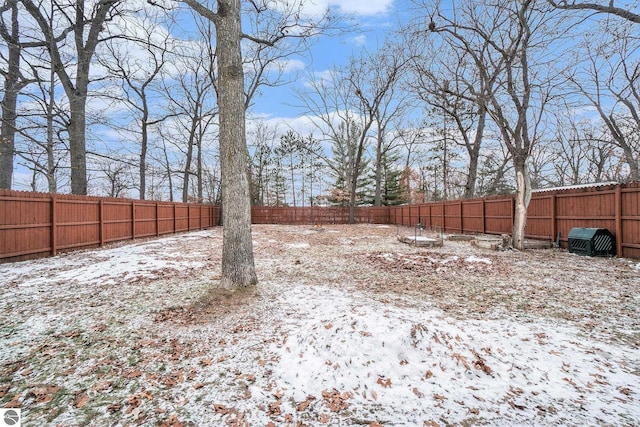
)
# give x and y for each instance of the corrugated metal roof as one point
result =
(572, 187)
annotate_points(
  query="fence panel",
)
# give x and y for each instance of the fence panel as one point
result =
(629, 222)
(437, 216)
(38, 224)
(453, 216)
(584, 209)
(318, 215)
(498, 215)
(540, 217)
(77, 223)
(117, 221)
(25, 224)
(473, 216)
(145, 219)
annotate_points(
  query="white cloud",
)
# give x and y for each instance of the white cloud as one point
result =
(362, 7)
(350, 7)
(288, 66)
(358, 40)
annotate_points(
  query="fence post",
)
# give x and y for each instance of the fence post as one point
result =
(101, 216)
(484, 217)
(133, 219)
(444, 217)
(618, 208)
(461, 219)
(175, 221)
(157, 219)
(54, 226)
(554, 220)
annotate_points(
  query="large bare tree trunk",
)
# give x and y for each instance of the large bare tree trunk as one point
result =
(9, 100)
(474, 153)
(523, 197)
(237, 254)
(77, 144)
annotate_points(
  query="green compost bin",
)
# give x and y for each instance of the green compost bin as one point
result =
(592, 242)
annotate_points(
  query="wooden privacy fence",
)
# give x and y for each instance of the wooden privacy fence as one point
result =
(37, 224)
(317, 215)
(551, 215)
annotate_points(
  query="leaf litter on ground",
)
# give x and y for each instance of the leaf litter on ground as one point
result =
(347, 327)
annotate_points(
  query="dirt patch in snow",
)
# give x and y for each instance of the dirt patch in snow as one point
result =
(348, 326)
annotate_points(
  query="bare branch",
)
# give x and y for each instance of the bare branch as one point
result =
(598, 8)
(201, 10)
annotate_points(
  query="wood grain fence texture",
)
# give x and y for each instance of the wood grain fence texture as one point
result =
(36, 224)
(39, 224)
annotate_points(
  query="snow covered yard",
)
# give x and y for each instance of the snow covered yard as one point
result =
(347, 327)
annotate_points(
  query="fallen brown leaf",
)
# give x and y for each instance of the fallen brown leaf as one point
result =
(81, 399)
(305, 404)
(274, 408)
(114, 407)
(172, 421)
(44, 394)
(386, 383)
(220, 409)
(14, 403)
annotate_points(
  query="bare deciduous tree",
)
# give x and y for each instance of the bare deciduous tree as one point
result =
(375, 79)
(513, 33)
(86, 29)
(237, 254)
(610, 81)
(137, 74)
(451, 83)
(340, 114)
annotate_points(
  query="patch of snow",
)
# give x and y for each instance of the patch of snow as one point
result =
(408, 366)
(422, 239)
(302, 245)
(479, 260)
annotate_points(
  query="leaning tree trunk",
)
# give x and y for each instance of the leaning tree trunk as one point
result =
(238, 267)
(523, 197)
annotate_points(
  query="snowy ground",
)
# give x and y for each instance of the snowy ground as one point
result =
(347, 327)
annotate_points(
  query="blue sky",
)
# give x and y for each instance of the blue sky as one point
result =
(368, 23)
